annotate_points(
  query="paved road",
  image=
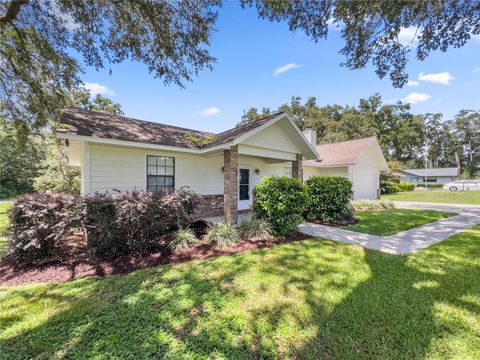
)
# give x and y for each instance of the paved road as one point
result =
(409, 241)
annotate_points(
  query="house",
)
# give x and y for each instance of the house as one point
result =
(121, 153)
(429, 176)
(359, 160)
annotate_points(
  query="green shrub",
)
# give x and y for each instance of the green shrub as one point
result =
(281, 201)
(39, 223)
(388, 187)
(222, 234)
(182, 239)
(255, 229)
(372, 205)
(433, 186)
(406, 186)
(328, 198)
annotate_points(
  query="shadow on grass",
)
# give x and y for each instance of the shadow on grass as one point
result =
(310, 299)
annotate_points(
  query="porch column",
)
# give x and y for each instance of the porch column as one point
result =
(230, 184)
(297, 167)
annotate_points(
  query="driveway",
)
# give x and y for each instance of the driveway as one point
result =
(409, 241)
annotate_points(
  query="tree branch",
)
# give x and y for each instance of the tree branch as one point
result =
(12, 11)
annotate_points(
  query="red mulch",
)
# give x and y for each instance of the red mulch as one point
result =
(78, 263)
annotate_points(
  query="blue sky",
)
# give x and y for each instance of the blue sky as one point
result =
(249, 50)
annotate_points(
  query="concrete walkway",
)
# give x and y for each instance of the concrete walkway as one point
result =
(409, 241)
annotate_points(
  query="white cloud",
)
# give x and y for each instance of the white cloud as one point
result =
(476, 38)
(409, 36)
(98, 89)
(285, 68)
(444, 78)
(477, 69)
(413, 83)
(415, 98)
(209, 111)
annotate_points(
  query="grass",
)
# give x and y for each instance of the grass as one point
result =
(390, 222)
(309, 299)
(4, 206)
(438, 196)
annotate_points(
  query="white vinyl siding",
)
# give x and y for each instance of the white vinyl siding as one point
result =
(273, 138)
(123, 168)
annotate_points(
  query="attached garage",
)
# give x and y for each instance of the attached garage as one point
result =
(359, 160)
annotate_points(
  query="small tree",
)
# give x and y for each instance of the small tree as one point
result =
(55, 172)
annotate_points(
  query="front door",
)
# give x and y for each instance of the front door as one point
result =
(244, 189)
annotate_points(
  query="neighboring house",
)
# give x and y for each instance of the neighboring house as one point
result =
(359, 160)
(121, 153)
(429, 176)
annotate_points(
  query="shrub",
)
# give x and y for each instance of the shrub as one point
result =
(281, 201)
(134, 221)
(406, 186)
(372, 205)
(328, 198)
(255, 229)
(39, 222)
(222, 234)
(182, 239)
(388, 187)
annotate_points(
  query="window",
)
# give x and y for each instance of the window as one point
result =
(430, 179)
(160, 173)
(244, 184)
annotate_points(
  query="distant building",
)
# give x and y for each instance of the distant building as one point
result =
(429, 176)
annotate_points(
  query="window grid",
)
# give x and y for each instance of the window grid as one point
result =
(160, 173)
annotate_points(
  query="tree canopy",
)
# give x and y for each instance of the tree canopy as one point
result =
(38, 161)
(403, 136)
(39, 37)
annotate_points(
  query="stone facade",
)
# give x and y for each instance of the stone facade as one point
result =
(230, 184)
(297, 167)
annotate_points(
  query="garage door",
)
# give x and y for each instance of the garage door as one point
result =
(365, 183)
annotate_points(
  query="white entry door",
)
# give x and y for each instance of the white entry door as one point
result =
(244, 189)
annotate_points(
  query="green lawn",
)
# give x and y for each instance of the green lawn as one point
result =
(4, 206)
(308, 300)
(393, 221)
(439, 196)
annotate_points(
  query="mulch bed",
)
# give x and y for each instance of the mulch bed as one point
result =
(78, 263)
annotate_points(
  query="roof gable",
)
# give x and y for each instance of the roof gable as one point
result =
(344, 152)
(92, 124)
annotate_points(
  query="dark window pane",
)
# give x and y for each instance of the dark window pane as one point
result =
(152, 160)
(244, 192)
(244, 176)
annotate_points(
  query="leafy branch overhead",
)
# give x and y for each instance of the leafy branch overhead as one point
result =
(38, 38)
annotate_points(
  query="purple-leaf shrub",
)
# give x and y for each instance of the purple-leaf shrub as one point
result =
(39, 222)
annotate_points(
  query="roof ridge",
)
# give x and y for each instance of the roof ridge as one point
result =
(139, 120)
(249, 123)
(344, 141)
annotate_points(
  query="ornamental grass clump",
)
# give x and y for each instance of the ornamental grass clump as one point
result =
(255, 229)
(222, 234)
(182, 239)
(372, 205)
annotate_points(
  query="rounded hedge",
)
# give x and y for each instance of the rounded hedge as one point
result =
(328, 198)
(281, 201)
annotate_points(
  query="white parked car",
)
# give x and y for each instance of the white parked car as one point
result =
(462, 185)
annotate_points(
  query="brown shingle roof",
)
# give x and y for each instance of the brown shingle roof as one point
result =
(97, 124)
(341, 153)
